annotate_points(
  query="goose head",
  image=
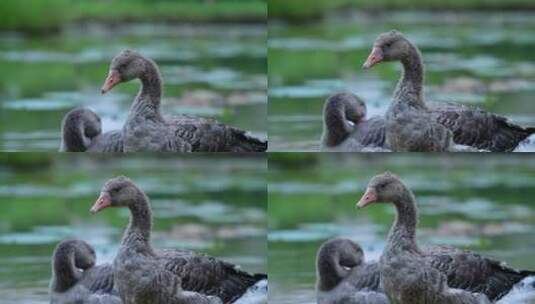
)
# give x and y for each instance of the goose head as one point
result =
(125, 66)
(389, 46)
(117, 192)
(384, 188)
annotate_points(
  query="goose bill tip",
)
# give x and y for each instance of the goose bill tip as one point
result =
(103, 201)
(369, 197)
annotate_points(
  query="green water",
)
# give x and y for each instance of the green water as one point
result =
(216, 71)
(212, 204)
(480, 59)
(482, 204)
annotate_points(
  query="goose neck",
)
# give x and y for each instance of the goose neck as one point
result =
(139, 228)
(147, 102)
(403, 231)
(74, 138)
(337, 114)
(64, 273)
(151, 82)
(410, 85)
(330, 272)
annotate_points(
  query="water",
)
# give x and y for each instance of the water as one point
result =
(212, 204)
(465, 201)
(215, 71)
(479, 59)
(256, 294)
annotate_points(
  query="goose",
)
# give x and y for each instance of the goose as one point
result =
(146, 275)
(146, 129)
(441, 274)
(411, 124)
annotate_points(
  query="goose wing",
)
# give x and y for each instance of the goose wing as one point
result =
(477, 128)
(470, 271)
(111, 141)
(208, 135)
(99, 279)
(371, 132)
(365, 277)
(208, 275)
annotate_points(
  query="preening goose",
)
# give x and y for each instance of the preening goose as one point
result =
(343, 277)
(81, 131)
(77, 280)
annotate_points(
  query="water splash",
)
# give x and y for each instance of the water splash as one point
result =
(523, 292)
(256, 294)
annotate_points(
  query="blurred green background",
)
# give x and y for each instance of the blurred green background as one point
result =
(54, 56)
(208, 203)
(304, 10)
(41, 16)
(465, 200)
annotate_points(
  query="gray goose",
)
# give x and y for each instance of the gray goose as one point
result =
(146, 129)
(169, 276)
(81, 131)
(343, 277)
(441, 274)
(77, 280)
(345, 127)
(413, 125)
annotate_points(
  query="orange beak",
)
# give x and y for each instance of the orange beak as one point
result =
(103, 201)
(370, 196)
(375, 57)
(113, 78)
